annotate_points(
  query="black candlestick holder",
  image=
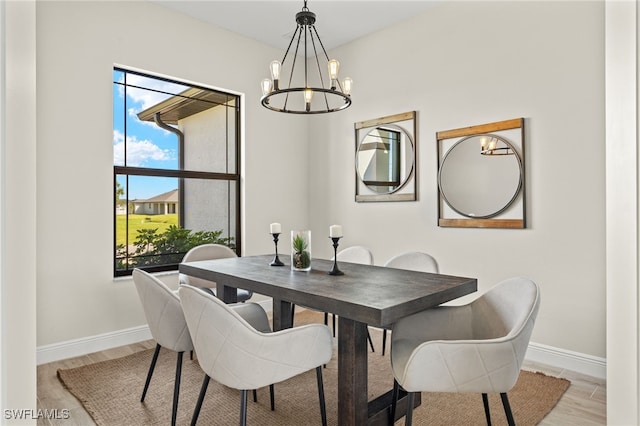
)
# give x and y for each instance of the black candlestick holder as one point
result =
(276, 261)
(335, 270)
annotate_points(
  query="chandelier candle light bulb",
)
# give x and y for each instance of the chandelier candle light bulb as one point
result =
(308, 95)
(275, 73)
(346, 85)
(266, 86)
(333, 66)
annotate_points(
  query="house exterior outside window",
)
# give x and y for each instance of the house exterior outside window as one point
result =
(176, 170)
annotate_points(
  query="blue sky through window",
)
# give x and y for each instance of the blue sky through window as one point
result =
(147, 145)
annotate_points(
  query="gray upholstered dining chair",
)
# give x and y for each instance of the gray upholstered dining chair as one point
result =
(167, 324)
(235, 354)
(412, 261)
(477, 348)
(209, 252)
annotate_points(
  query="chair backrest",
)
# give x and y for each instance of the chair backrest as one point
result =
(223, 340)
(204, 252)
(163, 312)
(233, 353)
(509, 310)
(356, 254)
(413, 261)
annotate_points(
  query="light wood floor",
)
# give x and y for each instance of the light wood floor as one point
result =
(583, 404)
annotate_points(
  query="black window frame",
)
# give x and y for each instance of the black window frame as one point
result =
(181, 174)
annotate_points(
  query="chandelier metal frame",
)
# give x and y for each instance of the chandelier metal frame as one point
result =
(334, 97)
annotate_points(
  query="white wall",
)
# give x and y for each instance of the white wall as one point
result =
(623, 321)
(468, 63)
(78, 44)
(18, 187)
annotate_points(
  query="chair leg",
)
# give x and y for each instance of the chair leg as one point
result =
(487, 414)
(384, 340)
(203, 391)
(410, 398)
(272, 396)
(293, 312)
(507, 409)
(243, 408)
(150, 373)
(323, 408)
(394, 402)
(191, 355)
(176, 389)
(370, 341)
(333, 320)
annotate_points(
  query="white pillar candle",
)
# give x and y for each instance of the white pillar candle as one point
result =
(335, 231)
(275, 228)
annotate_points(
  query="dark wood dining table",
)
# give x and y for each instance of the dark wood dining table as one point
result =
(364, 295)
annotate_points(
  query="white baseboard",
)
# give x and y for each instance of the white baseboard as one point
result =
(101, 342)
(566, 359)
(87, 345)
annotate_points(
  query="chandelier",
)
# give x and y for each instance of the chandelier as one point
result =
(308, 96)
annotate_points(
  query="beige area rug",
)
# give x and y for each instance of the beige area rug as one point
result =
(110, 392)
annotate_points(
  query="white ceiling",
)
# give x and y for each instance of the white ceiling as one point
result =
(273, 22)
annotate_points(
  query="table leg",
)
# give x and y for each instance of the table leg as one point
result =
(281, 314)
(352, 372)
(227, 294)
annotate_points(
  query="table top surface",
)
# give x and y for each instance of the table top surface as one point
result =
(374, 295)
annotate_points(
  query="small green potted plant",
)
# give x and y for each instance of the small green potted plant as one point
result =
(301, 250)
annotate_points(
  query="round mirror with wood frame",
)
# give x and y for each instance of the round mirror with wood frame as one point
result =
(480, 176)
(385, 158)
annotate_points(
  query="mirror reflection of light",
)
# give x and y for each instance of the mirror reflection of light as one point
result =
(489, 146)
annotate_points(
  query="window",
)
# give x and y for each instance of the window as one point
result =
(176, 161)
